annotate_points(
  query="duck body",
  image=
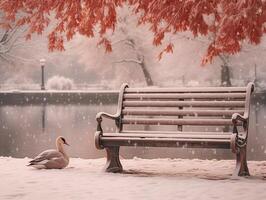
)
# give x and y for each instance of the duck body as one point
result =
(49, 159)
(52, 158)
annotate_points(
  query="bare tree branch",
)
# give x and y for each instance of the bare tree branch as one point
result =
(4, 58)
(126, 41)
(25, 60)
(224, 58)
(128, 60)
(9, 41)
(118, 41)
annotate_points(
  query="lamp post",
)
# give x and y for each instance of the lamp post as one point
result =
(42, 62)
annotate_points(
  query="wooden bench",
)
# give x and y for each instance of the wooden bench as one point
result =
(207, 117)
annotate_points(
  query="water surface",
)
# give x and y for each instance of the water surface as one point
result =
(27, 130)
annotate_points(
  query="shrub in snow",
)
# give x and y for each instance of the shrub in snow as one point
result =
(60, 83)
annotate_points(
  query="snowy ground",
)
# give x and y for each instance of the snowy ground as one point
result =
(143, 179)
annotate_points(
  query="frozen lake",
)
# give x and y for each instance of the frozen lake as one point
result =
(27, 130)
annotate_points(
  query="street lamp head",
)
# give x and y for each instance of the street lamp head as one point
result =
(42, 61)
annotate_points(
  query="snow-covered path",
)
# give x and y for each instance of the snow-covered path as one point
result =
(143, 179)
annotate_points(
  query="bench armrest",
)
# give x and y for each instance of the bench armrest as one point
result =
(117, 116)
(99, 119)
(107, 115)
(237, 117)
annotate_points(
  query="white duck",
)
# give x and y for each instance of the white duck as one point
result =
(52, 159)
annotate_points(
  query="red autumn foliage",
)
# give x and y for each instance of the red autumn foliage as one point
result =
(230, 23)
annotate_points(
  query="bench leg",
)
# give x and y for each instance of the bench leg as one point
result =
(241, 163)
(113, 163)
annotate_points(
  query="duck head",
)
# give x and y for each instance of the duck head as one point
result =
(61, 140)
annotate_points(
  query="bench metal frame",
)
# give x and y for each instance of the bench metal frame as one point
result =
(132, 101)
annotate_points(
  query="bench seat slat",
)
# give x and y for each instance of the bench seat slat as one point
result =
(185, 96)
(184, 103)
(181, 112)
(186, 89)
(174, 132)
(183, 135)
(165, 139)
(163, 121)
(166, 142)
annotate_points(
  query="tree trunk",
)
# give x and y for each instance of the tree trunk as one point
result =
(146, 73)
(225, 76)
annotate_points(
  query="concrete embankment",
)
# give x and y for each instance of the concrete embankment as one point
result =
(38, 97)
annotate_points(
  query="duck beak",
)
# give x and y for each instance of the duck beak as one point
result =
(66, 144)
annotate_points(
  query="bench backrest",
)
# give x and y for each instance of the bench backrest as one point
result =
(182, 108)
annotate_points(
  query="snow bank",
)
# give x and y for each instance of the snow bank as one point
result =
(143, 179)
(60, 83)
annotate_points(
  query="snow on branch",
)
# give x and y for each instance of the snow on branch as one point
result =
(129, 60)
